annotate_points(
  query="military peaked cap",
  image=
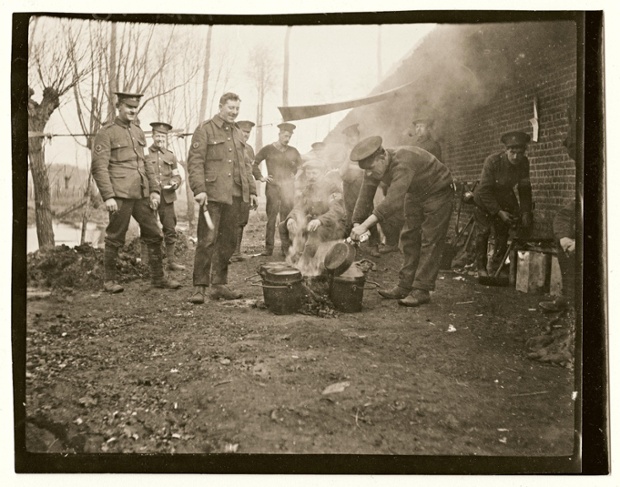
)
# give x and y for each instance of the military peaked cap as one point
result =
(515, 139)
(161, 127)
(351, 129)
(287, 127)
(366, 148)
(246, 125)
(129, 99)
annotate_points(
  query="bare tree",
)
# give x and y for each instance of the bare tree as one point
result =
(264, 71)
(51, 70)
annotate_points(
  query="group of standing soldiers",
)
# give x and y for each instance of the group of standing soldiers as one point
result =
(309, 198)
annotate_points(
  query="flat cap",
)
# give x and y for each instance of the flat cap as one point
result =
(246, 125)
(351, 129)
(318, 145)
(427, 119)
(313, 164)
(287, 127)
(161, 127)
(366, 148)
(515, 139)
(129, 99)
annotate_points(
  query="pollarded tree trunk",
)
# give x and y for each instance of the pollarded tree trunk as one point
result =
(38, 116)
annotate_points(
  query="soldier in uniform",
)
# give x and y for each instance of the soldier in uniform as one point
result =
(221, 183)
(352, 177)
(497, 207)
(283, 161)
(129, 188)
(318, 214)
(417, 178)
(246, 128)
(423, 138)
(165, 167)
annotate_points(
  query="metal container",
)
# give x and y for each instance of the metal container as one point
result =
(347, 290)
(282, 287)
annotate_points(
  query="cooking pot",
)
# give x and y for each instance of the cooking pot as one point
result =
(342, 254)
(347, 290)
(282, 287)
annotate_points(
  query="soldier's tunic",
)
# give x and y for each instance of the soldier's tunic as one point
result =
(165, 167)
(494, 193)
(429, 145)
(216, 166)
(119, 170)
(282, 165)
(322, 201)
(423, 184)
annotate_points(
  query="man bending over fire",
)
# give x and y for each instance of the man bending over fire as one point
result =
(419, 184)
(318, 214)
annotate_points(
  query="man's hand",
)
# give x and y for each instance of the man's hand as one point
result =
(201, 199)
(357, 231)
(313, 225)
(526, 220)
(111, 205)
(506, 217)
(291, 225)
(268, 179)
(253, 202)
(154, 200)
(567, 244)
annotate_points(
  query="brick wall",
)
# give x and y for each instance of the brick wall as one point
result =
(551, 80)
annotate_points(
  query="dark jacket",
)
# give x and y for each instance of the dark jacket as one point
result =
(216, 158)
(281, 165)
(410, 170)
(118, 162)
(430, 145)
(499, 177)
(564, 221)
(166, 169)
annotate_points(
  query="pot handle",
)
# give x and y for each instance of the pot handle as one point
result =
(269, 286)
(376, 284)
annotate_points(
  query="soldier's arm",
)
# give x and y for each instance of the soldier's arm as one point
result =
(486, 188)
(260, 157)
(363, 206)
(151, 176)
(395, 197)
(196, 161)
(99, 164)
(337, 212)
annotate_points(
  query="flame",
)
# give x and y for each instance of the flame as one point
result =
(301, 257)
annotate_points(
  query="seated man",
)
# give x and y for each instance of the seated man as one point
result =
(318, 214)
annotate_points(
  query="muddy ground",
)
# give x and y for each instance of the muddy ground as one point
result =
(145, 371)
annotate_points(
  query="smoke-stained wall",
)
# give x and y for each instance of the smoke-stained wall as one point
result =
(480, 81)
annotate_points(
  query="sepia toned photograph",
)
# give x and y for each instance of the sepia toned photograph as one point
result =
(340, 243)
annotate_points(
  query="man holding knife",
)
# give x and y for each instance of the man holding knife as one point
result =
(221, 181)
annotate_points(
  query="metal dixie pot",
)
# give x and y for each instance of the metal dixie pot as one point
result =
(282, 287)
(347, 290)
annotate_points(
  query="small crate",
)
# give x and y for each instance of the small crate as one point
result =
(533, 272)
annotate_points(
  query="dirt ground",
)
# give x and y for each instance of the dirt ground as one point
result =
(145, 371)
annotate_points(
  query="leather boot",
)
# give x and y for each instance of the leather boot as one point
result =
(481, 257)
(144, 253)
(172, 264)
(158, 279)
(199, 295)
(110, 285)
(416, 298)
(220, 291)
(396, 292)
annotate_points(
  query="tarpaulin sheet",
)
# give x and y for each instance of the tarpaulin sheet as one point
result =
(310, 111)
